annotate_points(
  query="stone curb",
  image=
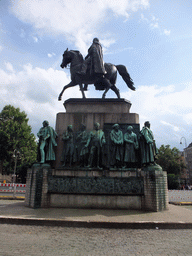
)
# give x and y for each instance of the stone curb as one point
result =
(93, 224)
(181, 203)
(12, 198)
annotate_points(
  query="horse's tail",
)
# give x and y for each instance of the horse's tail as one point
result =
(125, 75)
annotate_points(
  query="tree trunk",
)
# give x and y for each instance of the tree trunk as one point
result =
(1, 166)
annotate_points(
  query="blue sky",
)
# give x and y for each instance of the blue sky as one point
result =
(153, 39)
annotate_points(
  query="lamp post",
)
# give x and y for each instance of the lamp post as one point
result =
(15, 155)
(184, 140)
(184, 154)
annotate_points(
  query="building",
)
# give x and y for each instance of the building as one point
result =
(188, 161)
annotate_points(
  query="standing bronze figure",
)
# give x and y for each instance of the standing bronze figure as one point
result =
(68, 148)
(147, 145)
(81, 150)
(131, 147)
(47, 142)
(96, 140)
(116, 149)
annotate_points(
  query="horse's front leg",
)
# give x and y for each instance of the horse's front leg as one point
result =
(82, 90)
(105, 92)
(61, 93)
(71, 84)
(108, 86)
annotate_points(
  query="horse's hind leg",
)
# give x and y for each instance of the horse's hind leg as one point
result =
(116, 90)
(85, 87)
(108, 86)
(113, 88)
(71, 84)
(113, 82)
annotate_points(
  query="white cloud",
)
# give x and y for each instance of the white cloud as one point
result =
(154, 23)
(35, 90)
(106, 43)
(76, 20)
(175, 128)
(167, 32)
(9, 67)
(188, 118)
(143, 18)
(50, 55)
(168, 110)
(35, 39)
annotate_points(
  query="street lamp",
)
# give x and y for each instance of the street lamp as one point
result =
(185, 141)
(185, 155)
(15, 155)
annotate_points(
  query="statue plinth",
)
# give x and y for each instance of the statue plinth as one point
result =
(89, 111)
(103, 184)
(93, 105)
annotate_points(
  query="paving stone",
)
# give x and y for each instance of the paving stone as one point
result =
(49, 241)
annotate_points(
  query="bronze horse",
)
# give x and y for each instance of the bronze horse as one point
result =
(105, 82)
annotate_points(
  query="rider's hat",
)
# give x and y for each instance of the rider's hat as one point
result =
(95, 40)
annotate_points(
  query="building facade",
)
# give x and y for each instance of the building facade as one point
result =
(187, 153)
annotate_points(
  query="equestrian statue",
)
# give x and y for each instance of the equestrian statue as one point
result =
(93, 70)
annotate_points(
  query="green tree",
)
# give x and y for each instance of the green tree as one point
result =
(171, 162)
(173, 181)
(3, 148)
(15, 137)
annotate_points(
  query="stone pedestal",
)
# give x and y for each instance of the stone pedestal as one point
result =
(114, 106)
(36, 195)
(89, 111)
(155, 189)
(106, 187)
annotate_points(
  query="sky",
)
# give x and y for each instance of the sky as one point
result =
(153, 39)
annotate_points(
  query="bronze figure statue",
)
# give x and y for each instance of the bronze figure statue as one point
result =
(116, 137)
(96, 140)
(47, 142)
(103, 77)
(147, 145)
(81, 150)
(68, 148)
(131, 147)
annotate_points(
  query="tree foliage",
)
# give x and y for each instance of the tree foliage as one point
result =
(16, 137)
(173, 181)
(171, 162)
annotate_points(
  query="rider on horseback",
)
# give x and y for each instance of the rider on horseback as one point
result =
(94, 59)
(100, 81)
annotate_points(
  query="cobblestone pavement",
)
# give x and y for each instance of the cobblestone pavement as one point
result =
(51, 241)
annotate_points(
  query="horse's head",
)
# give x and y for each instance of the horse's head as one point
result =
(66, 59)
(71, 56)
